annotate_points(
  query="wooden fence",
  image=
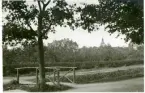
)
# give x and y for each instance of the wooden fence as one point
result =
(56, 74)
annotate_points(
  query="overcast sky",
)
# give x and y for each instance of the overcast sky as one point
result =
(83, 38)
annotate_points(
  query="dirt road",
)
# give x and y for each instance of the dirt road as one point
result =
(130, 85)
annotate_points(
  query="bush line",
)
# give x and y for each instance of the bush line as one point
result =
(9, 69)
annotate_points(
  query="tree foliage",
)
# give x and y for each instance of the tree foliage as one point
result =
(123, 16)
(21, 16)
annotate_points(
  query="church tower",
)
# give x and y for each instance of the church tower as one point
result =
(102, 43)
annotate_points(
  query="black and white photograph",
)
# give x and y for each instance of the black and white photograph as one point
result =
(72, 45)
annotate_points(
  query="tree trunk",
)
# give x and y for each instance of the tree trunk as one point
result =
(41, 64)
(41, 55)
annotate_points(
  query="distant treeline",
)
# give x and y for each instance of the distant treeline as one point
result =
(67, 51)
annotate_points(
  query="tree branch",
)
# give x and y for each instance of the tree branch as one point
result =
(29, 25)
(42, 3)
(47, 29)
(46, 4)
(39, 5)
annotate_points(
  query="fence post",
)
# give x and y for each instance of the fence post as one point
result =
(74, 75)
(37, 76)
(58, 81)
(54, 75)
(18, 76)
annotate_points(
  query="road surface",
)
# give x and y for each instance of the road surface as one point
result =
(130, 85)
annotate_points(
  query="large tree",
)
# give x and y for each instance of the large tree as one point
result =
(43, 14)
(122, 16)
